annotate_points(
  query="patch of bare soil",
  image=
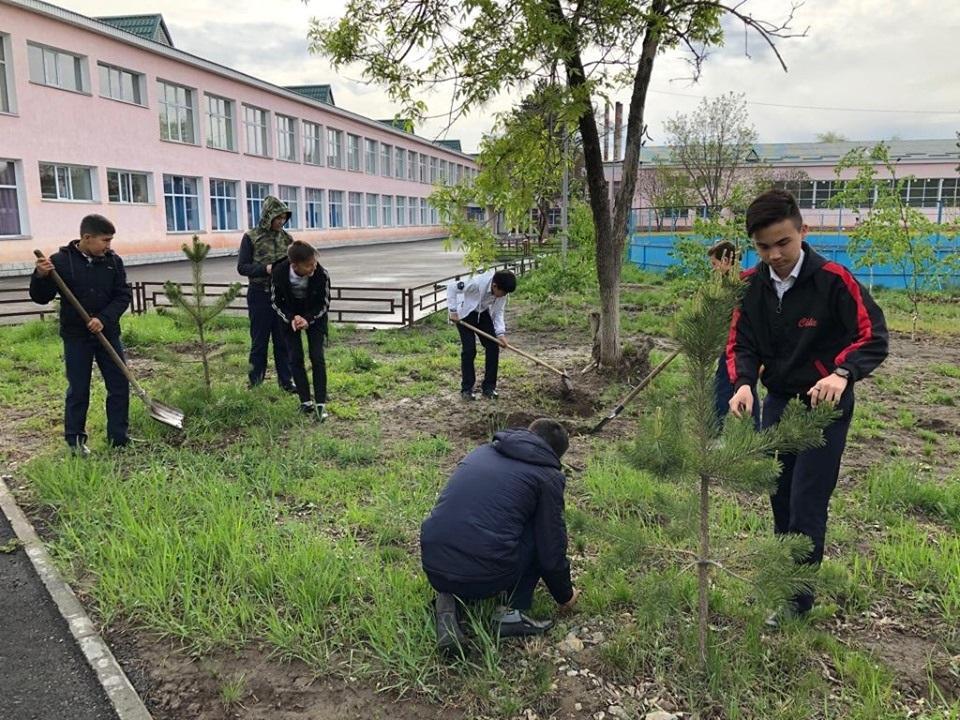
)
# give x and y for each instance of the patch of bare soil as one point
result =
(176, 686)
(922, 667)
(911, 362)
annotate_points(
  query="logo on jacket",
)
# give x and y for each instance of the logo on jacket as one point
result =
(807, 322)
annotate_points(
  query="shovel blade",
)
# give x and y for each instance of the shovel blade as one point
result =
(166, 414)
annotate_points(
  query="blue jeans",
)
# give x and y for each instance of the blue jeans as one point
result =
(264, 324)
(78, 356)
(725, 391)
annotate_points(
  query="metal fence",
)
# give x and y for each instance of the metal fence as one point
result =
(368, 306)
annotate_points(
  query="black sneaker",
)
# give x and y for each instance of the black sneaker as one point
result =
(491, 395)
(291, 388)
(308, 408)
(79, 450)
(468, 395)
(321, 412)
(515, 624)
(449, 635)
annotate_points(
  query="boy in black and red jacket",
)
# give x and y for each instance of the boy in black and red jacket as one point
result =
(815, 331)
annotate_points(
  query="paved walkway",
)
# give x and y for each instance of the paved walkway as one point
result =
(43, 673)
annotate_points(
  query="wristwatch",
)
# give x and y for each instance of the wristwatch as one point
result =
(842, 372)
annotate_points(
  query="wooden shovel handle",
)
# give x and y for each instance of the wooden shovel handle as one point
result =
(517, 350)
(72, 299)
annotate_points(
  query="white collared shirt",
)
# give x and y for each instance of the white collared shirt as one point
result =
(476, 294)
(781, 286)
(298, 284)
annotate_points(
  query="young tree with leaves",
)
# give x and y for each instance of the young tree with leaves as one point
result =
(892, 232)
(198, 309)
(503, 47)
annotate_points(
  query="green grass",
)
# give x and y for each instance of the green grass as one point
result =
(256, 527)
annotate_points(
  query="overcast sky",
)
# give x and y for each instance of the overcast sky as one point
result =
(868, 55)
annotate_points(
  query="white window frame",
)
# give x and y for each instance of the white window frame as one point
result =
(287, 145)
(173, 195)
(372, 210)
(67, 183)
(336, 200)
(413, 211)
(386, 160)
(354, 159)
(18, 188)
(335, 148)
(218, 194)
(253, 218)
(314, 206)
(164, 107)
(283, 193)
(401, 204)
(354, 209)
(400, 163)
(41, 74)
(8, 102)
(138, 83)
(386, 211)
(221, 123)
(314, 140)
(424, 165)
(413, 159)
(371, 156)
(424, 212)
(128, 185)
(251, 125)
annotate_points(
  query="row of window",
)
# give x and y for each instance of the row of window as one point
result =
(915, 192)
(311, 208)
(286, 138)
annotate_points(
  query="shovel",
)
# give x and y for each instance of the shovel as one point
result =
(564, 378)
(167, 414)
(636, 391)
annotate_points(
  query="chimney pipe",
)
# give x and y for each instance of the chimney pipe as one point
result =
(606, 132)
(618, 133)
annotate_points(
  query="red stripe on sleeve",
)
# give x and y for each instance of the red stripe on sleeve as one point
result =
(731, 341)
(864, 327)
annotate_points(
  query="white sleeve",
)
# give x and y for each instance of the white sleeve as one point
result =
(452, 290)
(499, 324)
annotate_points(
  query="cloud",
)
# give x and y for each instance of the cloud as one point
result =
(857, 54)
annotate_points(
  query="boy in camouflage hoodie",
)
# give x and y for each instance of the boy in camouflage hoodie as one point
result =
(260, 248)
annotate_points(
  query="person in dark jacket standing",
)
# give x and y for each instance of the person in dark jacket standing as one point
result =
(300, 294)
(261, 248)
(95, 274)
(498, 526)
(816, 331)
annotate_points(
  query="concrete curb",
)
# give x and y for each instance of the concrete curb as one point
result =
(124, 698)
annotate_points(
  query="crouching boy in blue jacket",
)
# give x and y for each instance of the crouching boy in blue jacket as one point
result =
(498, 527)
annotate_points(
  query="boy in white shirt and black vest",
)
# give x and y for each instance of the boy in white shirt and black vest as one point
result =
(480, 301)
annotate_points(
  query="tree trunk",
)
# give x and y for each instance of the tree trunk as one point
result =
(203, 357)
(703, 569)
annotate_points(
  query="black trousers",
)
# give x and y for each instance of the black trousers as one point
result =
(519, 586)
(468, 352)
(78, 355)
(318, 364)
(807, 481)
(264, 324)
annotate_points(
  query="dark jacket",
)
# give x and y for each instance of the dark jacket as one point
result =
(496, 492)
(261, 246)
(825, 321)
(313, 308)
(99, 283)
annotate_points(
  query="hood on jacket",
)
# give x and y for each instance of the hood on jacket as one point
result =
(526, 446)
(272, 209)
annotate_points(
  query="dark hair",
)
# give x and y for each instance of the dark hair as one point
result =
(772, 207)
(300, 251)
(96, 225)
(723, 249)
(553, 432)
(505, 280)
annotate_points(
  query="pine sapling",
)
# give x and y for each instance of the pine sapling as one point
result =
(198, 309)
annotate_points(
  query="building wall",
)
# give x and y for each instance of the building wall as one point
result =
(52, 125)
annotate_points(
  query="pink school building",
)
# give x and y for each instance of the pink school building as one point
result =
(106, 116)
(934, 187)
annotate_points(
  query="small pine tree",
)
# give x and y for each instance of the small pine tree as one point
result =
(197, 310)
(688, 442)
